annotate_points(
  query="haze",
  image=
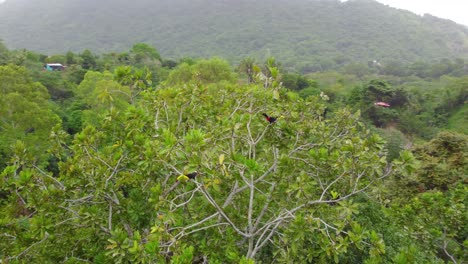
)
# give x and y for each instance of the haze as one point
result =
(448, 9)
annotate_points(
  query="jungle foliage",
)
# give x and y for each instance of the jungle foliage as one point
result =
(131, 158)
(306, 36)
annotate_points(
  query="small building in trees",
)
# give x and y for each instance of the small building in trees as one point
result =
(54, 67)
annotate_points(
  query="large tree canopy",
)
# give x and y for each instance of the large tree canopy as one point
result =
(118, 200)
(25, 113)
(190, 170)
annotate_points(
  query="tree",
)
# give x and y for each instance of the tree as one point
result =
(136, 80)
(70, 58)
(168, 63)
(57, 59)
(436, 221)
(117, 199)
(302, 189)
(396, 68)
(297, 82)
(378, 91)
(100, 93)
(247, 66)
(144, 51)
(443, 161)
(57, 86)
(203, 71)
(25, 114)
(89, 60)
(4, 54)
(358, 69)
(428, 200)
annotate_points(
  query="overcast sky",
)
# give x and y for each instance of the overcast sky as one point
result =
(456, 10)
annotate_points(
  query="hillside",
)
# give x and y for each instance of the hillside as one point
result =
(300, 33)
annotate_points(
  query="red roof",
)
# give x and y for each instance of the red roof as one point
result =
(382, 104)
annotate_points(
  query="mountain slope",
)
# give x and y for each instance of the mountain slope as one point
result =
(301, 32)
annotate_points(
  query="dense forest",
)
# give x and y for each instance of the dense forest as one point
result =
(130, 157)
(305, 35)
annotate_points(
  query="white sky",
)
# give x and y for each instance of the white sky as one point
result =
(455, 10)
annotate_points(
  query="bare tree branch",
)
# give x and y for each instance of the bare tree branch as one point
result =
(66, 220)
(220, 210)
(231, 194)
(265, 207)
(446, 251)
(110, 217)
(80, 199)
(192, 194)
(114, 171)
(331, 184)
(62, 187)
(46, 236)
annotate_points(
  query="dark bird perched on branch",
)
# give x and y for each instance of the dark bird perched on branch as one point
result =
(187, 177)
(182, 179)
(192, 175)
(269, 118)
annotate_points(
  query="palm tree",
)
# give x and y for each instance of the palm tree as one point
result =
(247, 66)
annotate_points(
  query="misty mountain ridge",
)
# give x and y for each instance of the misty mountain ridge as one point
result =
(297, 32)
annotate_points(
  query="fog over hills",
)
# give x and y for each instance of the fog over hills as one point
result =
(299, 32)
